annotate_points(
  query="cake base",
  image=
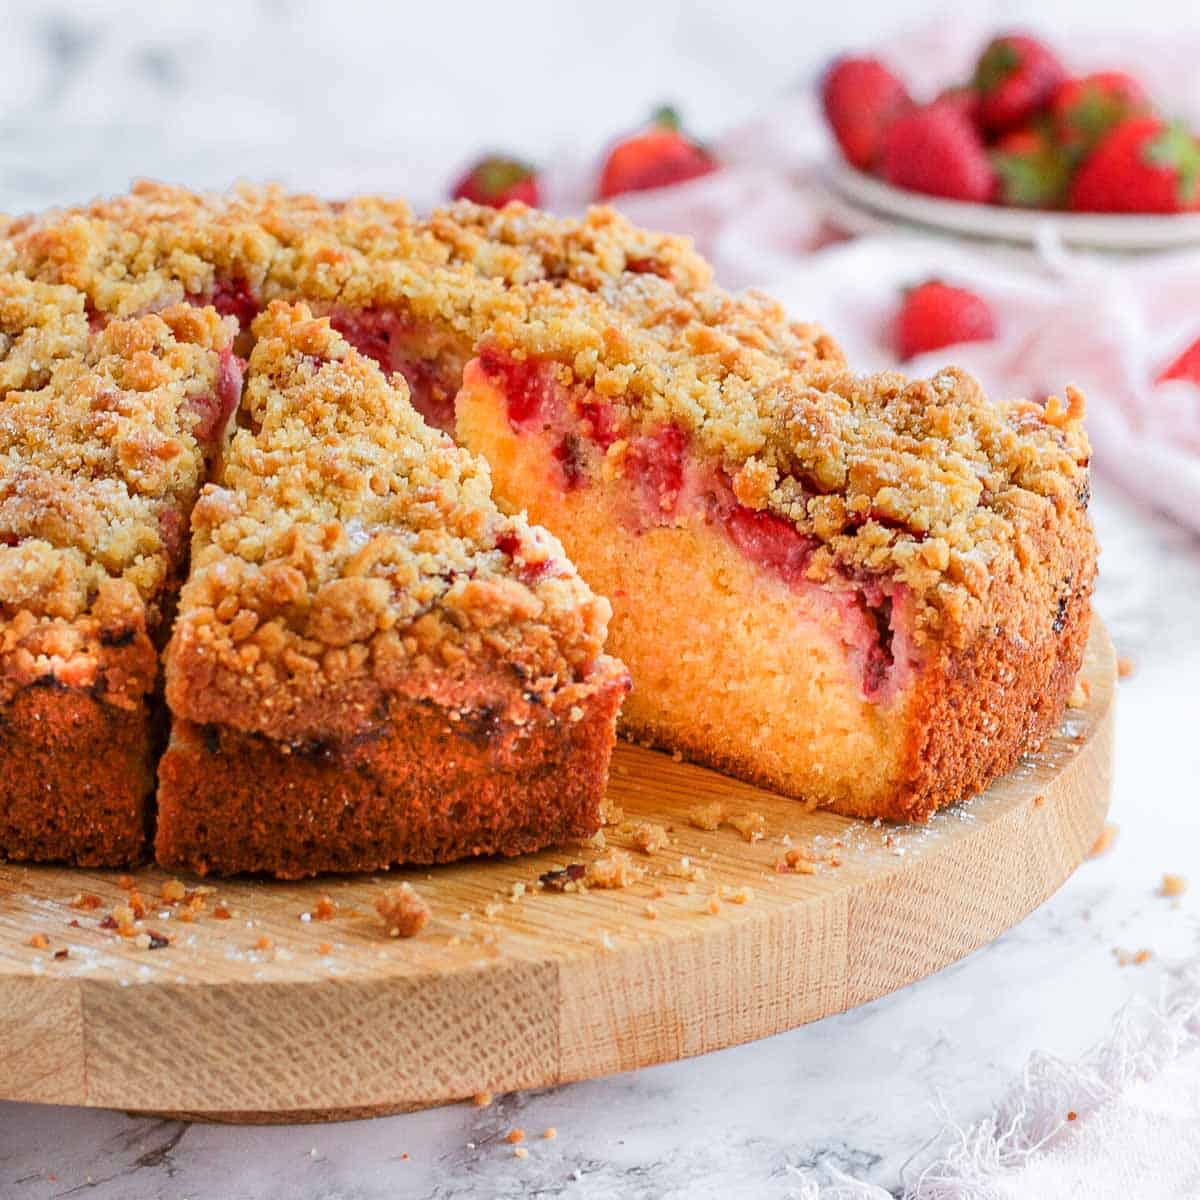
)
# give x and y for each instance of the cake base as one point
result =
(337, 1020)
(75, 778)
(423, 789)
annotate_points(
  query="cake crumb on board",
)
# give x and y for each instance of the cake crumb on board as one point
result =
(403, 910)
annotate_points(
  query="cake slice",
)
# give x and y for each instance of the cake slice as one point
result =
(103, 441)
(869, 593)
(371, 664)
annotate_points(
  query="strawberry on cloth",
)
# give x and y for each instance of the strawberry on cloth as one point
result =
(935, 314)
(496, 179)
(659, 155)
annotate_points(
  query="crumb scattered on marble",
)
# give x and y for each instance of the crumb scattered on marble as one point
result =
(520, 1152)
(1172, 885)
(482, 1099)
(1125, 667)
(403, 910)
(515, 1135)
(549, 1134)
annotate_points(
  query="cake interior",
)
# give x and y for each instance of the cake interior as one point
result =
(814, 681)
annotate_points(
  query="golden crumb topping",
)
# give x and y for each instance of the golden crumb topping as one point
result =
(927, 481)
(100, 460)
(463, 267)
(99, 465)
(351, 547)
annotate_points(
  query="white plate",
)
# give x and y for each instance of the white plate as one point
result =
(1098, 231)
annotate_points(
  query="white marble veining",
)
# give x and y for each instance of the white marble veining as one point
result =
(91, 94)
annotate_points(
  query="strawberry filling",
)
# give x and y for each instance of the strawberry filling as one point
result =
(233, 298)
(215, 409)
(655, 463)
(667, 483)
(400, 344)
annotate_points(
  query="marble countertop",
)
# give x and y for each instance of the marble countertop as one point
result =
(91, 94)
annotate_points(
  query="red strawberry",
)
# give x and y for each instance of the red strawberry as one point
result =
(861, 98)
(963, 97)
(1015, 77)
(1034, 170)
(937, 150)
(1085, 109)
(1186, 366)
(1143, 165)
(935, 314)
(495, 180)
(661, 154)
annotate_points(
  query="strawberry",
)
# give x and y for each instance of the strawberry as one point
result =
(1186, 366)
(1142, 165)
(1015, 77)
(1034, 170)
(1084, 110)
(963, 97)
(935, 314)
(861, 98)
(937, 150)
(495, 180)
(659, 155)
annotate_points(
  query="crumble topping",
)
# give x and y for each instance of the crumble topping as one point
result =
(351, 546)
(971, 505)
(103, 438)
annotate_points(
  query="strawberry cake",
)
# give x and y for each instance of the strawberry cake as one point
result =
(104, 441)
(871, 593)
(371, 664)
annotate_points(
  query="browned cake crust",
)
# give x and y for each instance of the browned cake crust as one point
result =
(372, 664)
(418, 788)
(76, 774)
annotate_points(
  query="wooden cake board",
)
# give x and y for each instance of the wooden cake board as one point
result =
(282, 1012)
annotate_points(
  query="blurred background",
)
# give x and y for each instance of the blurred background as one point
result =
(394, 96)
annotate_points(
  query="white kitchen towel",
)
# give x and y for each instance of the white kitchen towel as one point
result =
(1121, 1123)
